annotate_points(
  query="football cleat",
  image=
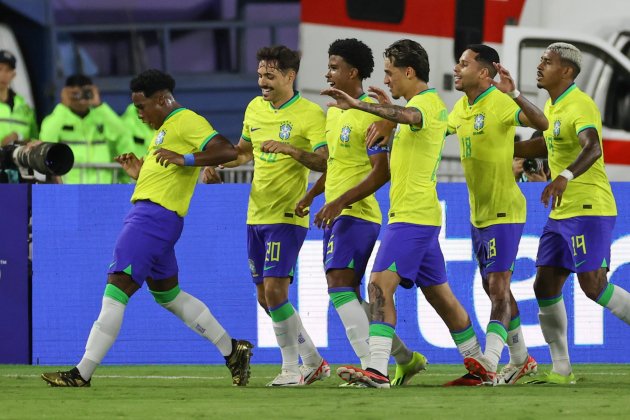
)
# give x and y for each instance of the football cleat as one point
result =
(370, 378)
(510, 373)
(71, 378)
(238, 362)
(553, 378)
(287, 378)
(404, 373)
(353, 385)
(467, 380)
(318, 373)
(476, 368)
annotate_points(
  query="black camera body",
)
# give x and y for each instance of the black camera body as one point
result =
(533, 165)
(45, 158)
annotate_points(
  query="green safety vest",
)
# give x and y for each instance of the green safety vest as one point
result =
(19, 119)
(96, 138)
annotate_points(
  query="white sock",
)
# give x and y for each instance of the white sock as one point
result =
(306, 348)
(102, 336)
(470, 348)
(380, 349)
(553, 322)
(357, 327)
(286, 326)
(619, 303)
(494, 348)
(517, 347)
(402, 354)
(198, 317)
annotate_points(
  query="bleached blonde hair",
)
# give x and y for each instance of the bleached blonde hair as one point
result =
(568, 53)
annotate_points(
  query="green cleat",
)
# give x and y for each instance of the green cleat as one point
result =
(404, 373)
(553, 378)
(238, 362)
(70, 378)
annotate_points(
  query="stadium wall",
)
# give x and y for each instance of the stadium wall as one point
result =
(75, 228)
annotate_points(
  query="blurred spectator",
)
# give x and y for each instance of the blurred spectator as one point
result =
(531, 170)
(17, 119)
(141, 133)
(91, 128)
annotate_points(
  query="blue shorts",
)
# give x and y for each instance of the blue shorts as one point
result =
(349, 244)
(579, 244)
(412, 251)
(273, 249)
(146, 245)
(496, 247)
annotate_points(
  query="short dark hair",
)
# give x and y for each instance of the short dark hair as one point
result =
(408, 53)
(283, 57)
(355, 53)
(151, 81)
(485, 56)
(78, 80)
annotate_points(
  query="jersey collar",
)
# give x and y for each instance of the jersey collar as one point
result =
(565, 93)
(483, 94)
(288, 103)
(173, 112)
(429, 90)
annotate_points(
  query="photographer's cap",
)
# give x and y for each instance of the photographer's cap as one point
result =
(7, 58)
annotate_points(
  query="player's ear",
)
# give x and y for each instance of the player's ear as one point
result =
(354, 73)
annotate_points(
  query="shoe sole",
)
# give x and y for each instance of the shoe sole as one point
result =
(351, 376)
(475, 368)
(322, 372)
(406, 378)
(243, 379)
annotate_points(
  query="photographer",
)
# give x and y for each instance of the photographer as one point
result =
(17, 119)
(531, 170)
(91, 128)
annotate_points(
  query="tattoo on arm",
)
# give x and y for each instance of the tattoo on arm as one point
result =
(396, 113)
(377, 302)
(312, 161)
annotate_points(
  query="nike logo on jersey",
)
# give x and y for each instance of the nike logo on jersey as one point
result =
(254, 129)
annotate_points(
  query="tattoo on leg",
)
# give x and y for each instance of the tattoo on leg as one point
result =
(377, 302)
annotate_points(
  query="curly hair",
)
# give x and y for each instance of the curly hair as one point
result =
(283, 57)
(408, 53)
(355, 53)
(151, 81)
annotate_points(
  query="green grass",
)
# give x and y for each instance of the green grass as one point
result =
(184, 392)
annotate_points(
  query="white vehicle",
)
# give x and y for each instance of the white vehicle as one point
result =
(519, 29)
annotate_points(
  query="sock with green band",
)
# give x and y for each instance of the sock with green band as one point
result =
(553, 323)
(496, 335)
(467, 343)
(354, 320)
(196, 315)
(104, 330)
(381, 335)
(617, 300)
(286, 326)
(401, 353)
(516, 343)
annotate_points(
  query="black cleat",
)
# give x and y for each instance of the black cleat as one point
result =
(71, 378)
(238, 361)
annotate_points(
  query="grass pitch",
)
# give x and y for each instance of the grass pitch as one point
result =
(184, 392)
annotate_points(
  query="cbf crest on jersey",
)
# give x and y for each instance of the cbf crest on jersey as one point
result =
(285, 130)
(160, 137)
(480, 120)
(345, 134)
(556, 128)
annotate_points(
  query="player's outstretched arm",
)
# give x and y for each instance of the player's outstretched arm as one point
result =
(530, 149)
(130, 164)
(244, 154)
(315, 161)
(395, 113)
(374, 180)
(531, 115)
(218, 150)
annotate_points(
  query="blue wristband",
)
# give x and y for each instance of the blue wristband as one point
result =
(189, 160)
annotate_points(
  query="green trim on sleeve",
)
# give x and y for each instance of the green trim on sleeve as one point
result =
(320, 144)
(413, 127)
(586, 127)
(247, 139)
(517, 120)
(207, 140)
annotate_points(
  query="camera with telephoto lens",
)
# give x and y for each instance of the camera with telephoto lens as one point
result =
(45, 158)
(533, 165)
(87, 94)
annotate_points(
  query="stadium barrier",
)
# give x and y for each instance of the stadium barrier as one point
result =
(75, 228)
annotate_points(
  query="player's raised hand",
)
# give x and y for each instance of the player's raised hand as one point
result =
(209, 175)
(274, 146)
(327, 214)
(343, 100)
(302, 208)
(379, 132)
(554, 191)
(165, 157)
(379, 94)
(130, 164)
(506, 83)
